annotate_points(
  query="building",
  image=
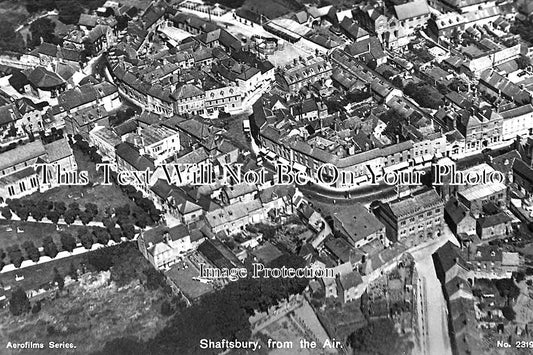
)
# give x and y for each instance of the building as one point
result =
(476, 196)
(105, 140)
(18, 176)
(189, 99)
(359, 226)
(45, 84)
(498, 225)
(304, 72)
(459, 219)
(157, 141)
(517, 122)
(489, 261)
(223, 99)
(162, 246)
(481, 128)
(234, 218)
(413, 220)
(350, 286)
(86, 96)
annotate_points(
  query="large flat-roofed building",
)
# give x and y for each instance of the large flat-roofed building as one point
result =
(413, 220)
(476, 196)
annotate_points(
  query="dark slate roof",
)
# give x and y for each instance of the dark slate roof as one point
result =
(448, 255)
(525, 172)
(132, 156)
(42, 78)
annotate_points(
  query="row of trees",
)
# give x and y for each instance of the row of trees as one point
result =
(68, 242)
(53, 210)
(87, 149)
(148, 214)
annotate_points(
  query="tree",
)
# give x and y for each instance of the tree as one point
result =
(50, 248)
(60, 207)
(31, 250)
(15, 255)
(6, 212)
(115, 234)
(58, 279)
(73, 272)
(100, 260)
(74, 206)
(128, 231)
(69, 11)
(377, 337)
(68, 242)
(37, 212)
(43, 28)
(70, 216)
(9, 39)
(53, 216)
(387, 74)
(166, 308)
(19, 302)
(508, 313)
(23, 213)
(36, 307)
(523, 62)
(101, 236)
(91, 208)
(398, 82)
(85, 217)
(86, 240)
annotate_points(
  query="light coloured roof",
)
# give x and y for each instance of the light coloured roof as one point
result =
(411, 9)
(21, 154)
(481, 191)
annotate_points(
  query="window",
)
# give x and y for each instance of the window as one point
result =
(22, 186)
(430, 213)
(11, 190)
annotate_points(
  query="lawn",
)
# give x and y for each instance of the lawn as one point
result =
(33, 231)
(103, 196)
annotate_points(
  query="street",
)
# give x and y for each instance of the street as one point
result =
(434, 305)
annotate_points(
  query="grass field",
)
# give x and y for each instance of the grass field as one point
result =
(32, 231)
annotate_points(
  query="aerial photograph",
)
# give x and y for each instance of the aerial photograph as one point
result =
(270, 177)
